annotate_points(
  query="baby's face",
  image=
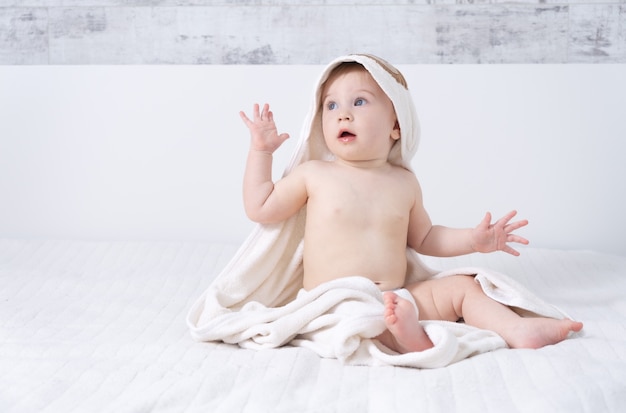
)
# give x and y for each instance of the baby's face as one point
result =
(358, 118)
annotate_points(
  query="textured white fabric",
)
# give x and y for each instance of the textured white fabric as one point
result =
(99, 327)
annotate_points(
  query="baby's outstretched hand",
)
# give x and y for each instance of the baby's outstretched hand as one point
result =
(263, 132)
(488, 237)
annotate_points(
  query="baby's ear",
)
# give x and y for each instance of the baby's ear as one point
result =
(395, 133)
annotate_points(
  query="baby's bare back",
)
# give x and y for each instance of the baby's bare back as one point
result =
(357, 223)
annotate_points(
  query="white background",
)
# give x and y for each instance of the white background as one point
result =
(157, 152)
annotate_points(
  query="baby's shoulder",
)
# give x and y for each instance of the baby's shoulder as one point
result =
(317, 163)
(307, 171)
(407, 180)
(313, 166)
(404, 173)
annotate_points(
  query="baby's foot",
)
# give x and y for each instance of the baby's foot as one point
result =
(539, 332)
(403, 325)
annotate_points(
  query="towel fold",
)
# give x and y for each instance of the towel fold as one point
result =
(341, 318)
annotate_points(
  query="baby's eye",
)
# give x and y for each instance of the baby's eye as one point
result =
(359, 102)
(331, 106)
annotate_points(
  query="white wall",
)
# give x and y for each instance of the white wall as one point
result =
(157, 152)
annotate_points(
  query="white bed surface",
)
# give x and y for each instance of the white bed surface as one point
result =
(100, 327)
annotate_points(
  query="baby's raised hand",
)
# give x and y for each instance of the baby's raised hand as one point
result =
(488, 237)
(263, 132)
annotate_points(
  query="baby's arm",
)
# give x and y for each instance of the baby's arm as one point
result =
(264, 201)
(437, 240)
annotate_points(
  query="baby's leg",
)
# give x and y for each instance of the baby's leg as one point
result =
(455, 297)
(404, 333)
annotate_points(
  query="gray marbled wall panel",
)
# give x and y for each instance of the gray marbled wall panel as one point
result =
(289, 32)
(24, 36)
(598, 33)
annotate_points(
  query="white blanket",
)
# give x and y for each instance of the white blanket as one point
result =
(341, 318)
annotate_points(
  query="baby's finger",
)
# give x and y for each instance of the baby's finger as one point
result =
(265, 111)
(486, 222)
(517, 239)
(511, 251)
(255, 112)
(505, 219)
(516, 225)
(244, 117)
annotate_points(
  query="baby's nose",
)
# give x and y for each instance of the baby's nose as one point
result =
(345, 116)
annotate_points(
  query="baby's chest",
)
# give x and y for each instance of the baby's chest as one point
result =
(361, 202)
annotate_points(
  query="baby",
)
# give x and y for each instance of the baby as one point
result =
(363, 212)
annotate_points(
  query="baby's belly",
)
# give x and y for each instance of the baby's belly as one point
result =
(387, 273)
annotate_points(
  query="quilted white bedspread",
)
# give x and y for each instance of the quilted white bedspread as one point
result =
(100, 327)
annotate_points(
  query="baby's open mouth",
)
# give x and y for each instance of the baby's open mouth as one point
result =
(346, 137)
